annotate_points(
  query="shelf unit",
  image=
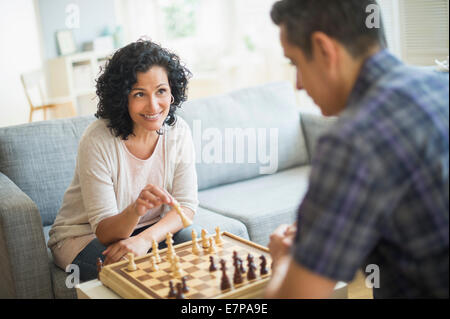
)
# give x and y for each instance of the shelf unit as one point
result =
(74, 76)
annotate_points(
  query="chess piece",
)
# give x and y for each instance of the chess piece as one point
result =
(155, 251)
(205, 242)
(131, 264)
(241, 265)
(212, 248)
(251, 269)
(153, 265)
(171, 290)
(237, 279)
(178, 272)
(169, 242)
(185, 288)
(212, 266)
(195, 246)
(184, 219)
(263, 265)
(179, 294)
(224, 282)
(99, 266)
(219, 240)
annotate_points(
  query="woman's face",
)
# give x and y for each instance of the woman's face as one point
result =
(149, 100)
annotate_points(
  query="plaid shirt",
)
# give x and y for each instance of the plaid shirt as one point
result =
(379, 185)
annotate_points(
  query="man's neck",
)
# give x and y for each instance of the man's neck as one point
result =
(352, 70)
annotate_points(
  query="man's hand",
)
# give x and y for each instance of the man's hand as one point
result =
(137, 245)
(281, 241)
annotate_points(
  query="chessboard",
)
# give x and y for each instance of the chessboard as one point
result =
(143, 282)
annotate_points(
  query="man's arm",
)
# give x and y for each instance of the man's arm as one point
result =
(292, 281)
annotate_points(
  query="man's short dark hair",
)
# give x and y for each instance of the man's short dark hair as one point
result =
(343, 20)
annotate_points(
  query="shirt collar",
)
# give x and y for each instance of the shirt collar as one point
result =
(372, 70)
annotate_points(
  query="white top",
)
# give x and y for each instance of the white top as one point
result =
(108, 178)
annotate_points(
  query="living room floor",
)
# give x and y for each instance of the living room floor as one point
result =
(357, 288)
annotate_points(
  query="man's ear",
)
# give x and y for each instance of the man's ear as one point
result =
(324, 49)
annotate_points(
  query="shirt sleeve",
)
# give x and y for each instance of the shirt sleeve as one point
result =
(185, 184)
(336, 225)
(97, 188)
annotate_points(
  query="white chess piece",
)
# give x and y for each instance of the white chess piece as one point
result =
(131, 264)
(212, 248)
(219, 240)
(195, 246)
(176, 267)
(205, 242)
(155, 251)
(153, 265)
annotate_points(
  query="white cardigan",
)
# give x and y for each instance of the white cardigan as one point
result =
(99, 190)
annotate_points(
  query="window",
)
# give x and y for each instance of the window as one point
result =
(417, 30)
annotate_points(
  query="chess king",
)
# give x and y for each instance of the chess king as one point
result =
(139, 92)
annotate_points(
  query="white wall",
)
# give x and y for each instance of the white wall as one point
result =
(20, 52)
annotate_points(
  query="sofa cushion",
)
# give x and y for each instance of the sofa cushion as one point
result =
(40, 159)
(262, 203)
(268, 113)
(210, 220)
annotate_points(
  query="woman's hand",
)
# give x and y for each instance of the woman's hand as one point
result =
(136, 245)
(151, 197)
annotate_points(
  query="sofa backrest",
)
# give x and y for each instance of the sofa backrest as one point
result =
(266, 118)
(40, 159)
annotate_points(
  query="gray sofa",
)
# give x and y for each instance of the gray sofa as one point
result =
(248, 193)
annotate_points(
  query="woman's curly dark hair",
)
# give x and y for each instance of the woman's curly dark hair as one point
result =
(120, 74)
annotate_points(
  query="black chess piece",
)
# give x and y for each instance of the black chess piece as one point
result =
(251, 269)
(212, 266)
(179, 294)
(224, 282)
(263, 265)
(185, 288)
(171, 290)
(241, 265)
(237, 279)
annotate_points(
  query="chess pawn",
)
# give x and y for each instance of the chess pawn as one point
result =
(195, 246)
(179, 293)
(205, 242)
(212, 248)
(178, 272)
(212, 266)
(131, 264)
(218, 238)
(171, 290)
(153, 265)
(155, 251)
(263, 265)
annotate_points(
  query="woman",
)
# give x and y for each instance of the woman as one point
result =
(132, 164)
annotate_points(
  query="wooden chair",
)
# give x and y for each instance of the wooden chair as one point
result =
(35, 91)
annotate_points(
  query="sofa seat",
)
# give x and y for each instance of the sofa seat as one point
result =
(261, 204)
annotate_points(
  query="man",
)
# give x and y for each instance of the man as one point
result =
(378, 193)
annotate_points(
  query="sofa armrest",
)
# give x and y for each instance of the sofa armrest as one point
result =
(313, 127)
(24, 263)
